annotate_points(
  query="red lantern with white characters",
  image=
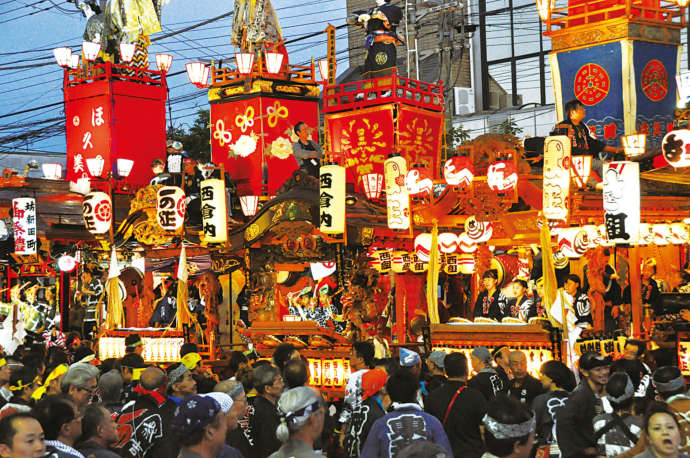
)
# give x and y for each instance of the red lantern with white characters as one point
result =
(502, 176)
(478, 231)
(97, 209)
(422, 246)
(418, 181)
(458, 171)
(466, 244)
(171, 205)
(466, 263)
(401, 261)
(373, 185)
(447, 242)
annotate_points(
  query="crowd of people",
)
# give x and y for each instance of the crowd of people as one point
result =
(63, 402)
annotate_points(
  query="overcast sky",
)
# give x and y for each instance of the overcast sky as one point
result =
(29, 39)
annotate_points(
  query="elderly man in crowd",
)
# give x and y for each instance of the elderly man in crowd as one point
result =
(201, 426)
(80, 384)
(99, 432)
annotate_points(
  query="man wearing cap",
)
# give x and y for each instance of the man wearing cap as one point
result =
(460, 409)
(501, 356)
(574, 421)
(143, 425)
(226, 406)
(436, 376)
(200, 424)
(411, 361)
(375, 401)
(651, 296)
(523, 387)
(487, 381)
(670, 384)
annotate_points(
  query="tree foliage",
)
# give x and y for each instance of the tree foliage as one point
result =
(196, 139)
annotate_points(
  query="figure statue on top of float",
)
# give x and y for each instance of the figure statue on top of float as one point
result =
(255, 26)
(380, 23)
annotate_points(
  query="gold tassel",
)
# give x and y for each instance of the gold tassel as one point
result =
(432, 277)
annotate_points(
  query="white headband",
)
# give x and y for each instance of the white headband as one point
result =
(509, 431)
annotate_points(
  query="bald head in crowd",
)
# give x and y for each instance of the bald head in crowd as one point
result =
(152, 378)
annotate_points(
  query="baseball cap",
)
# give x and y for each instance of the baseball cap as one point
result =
(437, 357)
(223, 399)
(482, 353)
(190, 360)
(193, 414)
(372, 382)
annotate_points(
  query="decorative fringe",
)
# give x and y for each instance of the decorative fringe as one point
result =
(432, 277)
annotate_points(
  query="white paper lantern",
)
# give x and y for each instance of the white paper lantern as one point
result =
(124, 167)
(332, 199)
(418, 181)
(52, 171)
(675, 146)
(502, 176)
(214, 211)
(127, 52)
(466, 244)
(662, 234)
(466, 263)
(24, 224)
(478, 231)
(622, 201)
(63, 56)
(447, 242)
(97, 209)
(171, 206)
(397, 198)
(164, 62)
(90, 50)
(274, 60)
(679, 233)
(645, 234)
(593, 235)
(581, 169)
(249, 204)
(556, 185)
(573, 241)
(422, 246)
(401, 261)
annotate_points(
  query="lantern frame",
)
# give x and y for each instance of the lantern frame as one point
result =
(127, 51)
(124, 167)
(95, 165)
(164, 62)
(581, 169)
(250, 205)
(52, 171)
(244, 62)
(74, 61)
(90, 50)
(198, 72)
(63, 56)
(274, 61)
(323, 69)
(375, 179)
(634, 144)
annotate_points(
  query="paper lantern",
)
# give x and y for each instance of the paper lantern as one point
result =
(679, 233)
(634, 144)
(314, 371)
(478, 231)
(170, 207)
(124, 167)
(90, 50)
(397, 198)
(676, 148)
(451, 264)
(581, 169)
(214, 211)
(127, 51)
(67, 263)
(604, 236)
(401, 261)
(332, 199)
(502, 176)
(556, 184)
(63, 56)
(381, 261)
(164, 62)
(544, 8)
(466, 244)
(249, 204)
(197, 72)
(95, 165)
(97, 209)
(52, 171)
(645, 234)
(422, 246)
(274, 60)
(458, 171)
(74, 61)
(245, 62)
(573, 241)
(661, 233)
(324, 71)
(466, 263)
(373, 185)
(418, 265)
(418, 181)
(24, 224)
(593, 235)
(447, 242)
(622, 201)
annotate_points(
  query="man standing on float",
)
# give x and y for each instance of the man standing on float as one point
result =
(380, 23)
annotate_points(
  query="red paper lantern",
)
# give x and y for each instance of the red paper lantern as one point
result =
(458, 171)
(372, 184)
(418, 181)
(502, 176)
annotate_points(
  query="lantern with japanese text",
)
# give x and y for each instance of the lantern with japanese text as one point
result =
(502, 176)
(24, 223)
(418, 265)
(397, 198)
(170, 207)
(97, 209)
(332, 199)
(573, 241)
(447, 242)
(593, 235)
(381, 261)
(478, 231)
(622, 201)
(458, 171)
(401, 261)
(466, 263)
(581, 169)
(422, 246)
(451, 265)
(418, 181)
(373, 185)
(604, 237)
(556, 188)
(214, 211)
(676, 148)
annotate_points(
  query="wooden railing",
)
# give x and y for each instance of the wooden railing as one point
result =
(662, 12)
(108, 71)
(305, 74)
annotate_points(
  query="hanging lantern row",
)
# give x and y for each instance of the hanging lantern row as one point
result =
(448, 242)
(458, 171)
(384, 261)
